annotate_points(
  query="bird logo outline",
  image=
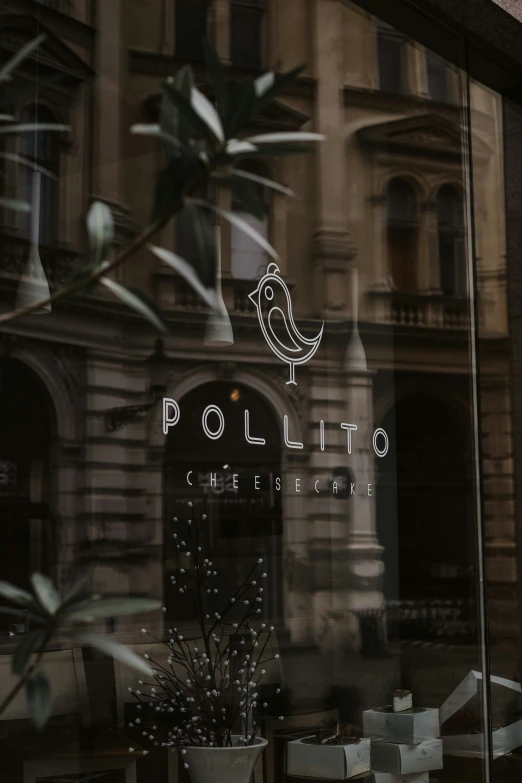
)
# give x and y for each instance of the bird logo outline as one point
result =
(296, 349)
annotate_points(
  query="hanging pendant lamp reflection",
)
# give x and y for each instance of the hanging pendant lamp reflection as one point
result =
(33, 286)
(219, 329)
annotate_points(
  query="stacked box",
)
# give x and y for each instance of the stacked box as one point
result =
(327, 762)
(405, 745)
(384, 777)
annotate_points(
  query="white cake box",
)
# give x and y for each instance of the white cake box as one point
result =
(407, 759)
(504, 740)
(407, 728)
(385, 777)
(331, 762)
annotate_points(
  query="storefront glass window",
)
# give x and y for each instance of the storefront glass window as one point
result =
(273, 433)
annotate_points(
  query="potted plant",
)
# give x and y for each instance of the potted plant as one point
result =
(203, 700)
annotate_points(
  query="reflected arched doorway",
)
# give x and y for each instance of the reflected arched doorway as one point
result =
(244, 522)
(426, 513)
(26, 430)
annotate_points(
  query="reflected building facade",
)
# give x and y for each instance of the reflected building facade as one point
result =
(90, 481)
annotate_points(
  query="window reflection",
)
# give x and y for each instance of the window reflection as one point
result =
(402, 235)
(391, 50)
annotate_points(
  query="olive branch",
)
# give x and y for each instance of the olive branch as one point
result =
(203, 146)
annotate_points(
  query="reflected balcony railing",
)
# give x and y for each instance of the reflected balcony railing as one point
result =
(235, 295)
(431, 312)
(59, 263)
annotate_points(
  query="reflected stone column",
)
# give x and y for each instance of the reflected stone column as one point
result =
(363, 555)
(222, 29)
(379, 204)
(429, 261)
(333, 248)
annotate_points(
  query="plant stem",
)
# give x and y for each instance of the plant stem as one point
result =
(97, 274)
(28, 672)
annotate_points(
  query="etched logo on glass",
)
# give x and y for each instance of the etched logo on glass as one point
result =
(291, 347)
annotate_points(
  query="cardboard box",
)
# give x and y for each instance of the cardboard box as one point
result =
(407, 759)
(384, 777)
(407, 728)
(505, 739)
(327, 762)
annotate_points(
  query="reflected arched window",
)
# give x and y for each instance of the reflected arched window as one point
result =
(402, 234)
(42, 147)
(248, 259)
(450, 211)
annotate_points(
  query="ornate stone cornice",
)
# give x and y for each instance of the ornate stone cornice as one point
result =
(333, 245)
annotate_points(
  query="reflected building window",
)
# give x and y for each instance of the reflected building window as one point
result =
(402, 230)
(247, 33)
(42, 148)
(440, 78)
(450, 210)
(249, 261)
(191, 28)
(391, 52)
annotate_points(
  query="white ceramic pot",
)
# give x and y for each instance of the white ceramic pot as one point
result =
(224, 765)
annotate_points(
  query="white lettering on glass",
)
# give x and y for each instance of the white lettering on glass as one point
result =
(171, 414)
(350, 428)
(380, 452)
(219, 413)
(289, 443)
(248, 436)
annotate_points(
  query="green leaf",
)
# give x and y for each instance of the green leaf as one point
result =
(218, 73)
(27, 127)
(139, 301)
(16, 595)
(103, 608)
(16, 158)
(199, 235)
(207, 112)
(78, 594)
(46, 592)
(14, 204)
(187, 110)
(188, 273)
(238, 222)
(241, 106)
(283, 138)
(100, 227)
(267, 183)
(270, 85)
(21, 54)
(171, 184)
(117, 651)
(171, 144)
(286, 149)
(236, 147)
(39, 698)
(248, 197)
(27, 645)
(172, 121)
